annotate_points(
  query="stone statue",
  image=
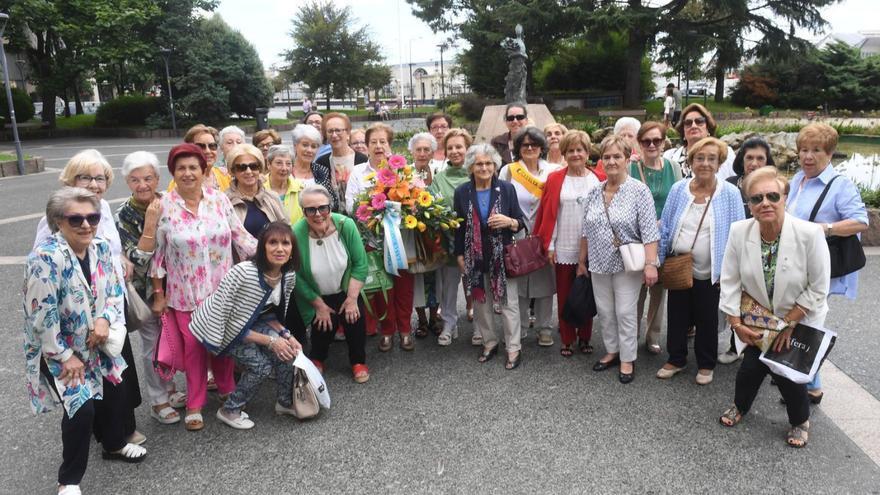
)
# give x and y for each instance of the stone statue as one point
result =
(515, 81)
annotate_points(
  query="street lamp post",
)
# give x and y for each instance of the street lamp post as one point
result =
(166, 53)
(4, 18)
(442, 46)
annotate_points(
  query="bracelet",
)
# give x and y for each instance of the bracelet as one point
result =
(145, 236)
(271, 342)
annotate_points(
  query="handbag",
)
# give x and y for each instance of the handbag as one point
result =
(524, 256)
(305, 400)
(846, 252)
(677, 272)
(377, 281)
(169, 357)
(633, 254)
(136, 309)
(580, 307)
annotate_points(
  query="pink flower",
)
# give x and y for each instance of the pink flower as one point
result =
(386, 177)
(378, 201)
(397, 162)
(363, 213)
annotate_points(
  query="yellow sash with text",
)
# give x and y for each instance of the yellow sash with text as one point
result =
(521, 174)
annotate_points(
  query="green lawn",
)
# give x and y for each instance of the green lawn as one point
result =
(425, 110)
(75, 122)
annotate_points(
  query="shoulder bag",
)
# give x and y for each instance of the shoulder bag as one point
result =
(524, 256)
(677, 272)
(633, 254)
(846, 252)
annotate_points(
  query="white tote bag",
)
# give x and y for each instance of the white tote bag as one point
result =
(315, 378)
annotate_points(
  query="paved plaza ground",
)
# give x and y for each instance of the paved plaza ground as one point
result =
(436, 421)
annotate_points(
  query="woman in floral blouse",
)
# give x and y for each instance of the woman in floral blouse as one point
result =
(194, 241)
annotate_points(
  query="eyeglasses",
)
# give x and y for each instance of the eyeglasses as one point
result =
(87, 179)
(358, 143)
(241, 167)
(511, 118)
(207, 146)
(699, 121)
(772, 197)
(76, 221)
(652, 142)
(443, 127)
(530, 146)
(331, 132)
(312, 211)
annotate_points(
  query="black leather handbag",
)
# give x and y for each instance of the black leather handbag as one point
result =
(846, 252)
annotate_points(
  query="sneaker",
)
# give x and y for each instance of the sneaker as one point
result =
(704, 377)
(665, 373)
(729, 357)
(545, 338)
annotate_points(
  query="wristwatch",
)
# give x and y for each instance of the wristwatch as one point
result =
(828, 227)
(655, 263)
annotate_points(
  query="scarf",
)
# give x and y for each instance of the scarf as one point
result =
(473, 255)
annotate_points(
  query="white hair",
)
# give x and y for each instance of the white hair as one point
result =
(305, 131)
(140, 159)
(231, 129)
(624, 122)
(422, 136)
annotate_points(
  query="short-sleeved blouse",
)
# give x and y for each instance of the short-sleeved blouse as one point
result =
(632, 215)
(194, 250)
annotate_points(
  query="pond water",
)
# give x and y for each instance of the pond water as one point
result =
(862, 163)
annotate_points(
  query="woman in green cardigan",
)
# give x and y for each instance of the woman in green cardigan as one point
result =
(334, 267)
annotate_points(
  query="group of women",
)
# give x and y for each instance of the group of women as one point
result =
(251, 253)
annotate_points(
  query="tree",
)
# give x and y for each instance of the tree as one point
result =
(329, 55)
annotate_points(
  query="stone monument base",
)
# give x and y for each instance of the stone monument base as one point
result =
(492, 121)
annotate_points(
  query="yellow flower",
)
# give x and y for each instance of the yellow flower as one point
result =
(425, 199)
(422, 227)
(410, 222)
(370, 176)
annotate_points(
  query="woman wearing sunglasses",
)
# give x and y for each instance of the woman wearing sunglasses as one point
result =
(197, 232)
(782, 262)
(516, 117)
(697, 123)
(696, 219)
(328, 286)
(659, 175)
(207, 138)
(69, 359)
(254, 205)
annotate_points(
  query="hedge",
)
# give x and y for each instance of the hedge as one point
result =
(130, 110)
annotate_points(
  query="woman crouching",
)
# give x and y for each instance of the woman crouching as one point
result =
(242, 318)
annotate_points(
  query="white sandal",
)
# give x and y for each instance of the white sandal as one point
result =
(129, 453)
(165, 416)
(240, 423)
(445, 338)
(177, 400)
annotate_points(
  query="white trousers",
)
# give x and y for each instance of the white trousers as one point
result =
(157, 389)
(484, 317)
(616, 297)
(447, 286)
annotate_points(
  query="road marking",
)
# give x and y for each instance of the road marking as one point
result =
(853, 409)
(12, 260)
(31, 216)
(47, 170)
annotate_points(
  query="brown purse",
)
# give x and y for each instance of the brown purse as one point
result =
(677, 272)
(524, 256)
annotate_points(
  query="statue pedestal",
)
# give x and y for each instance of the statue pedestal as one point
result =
(492, 121)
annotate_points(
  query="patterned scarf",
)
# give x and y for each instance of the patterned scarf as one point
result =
(473, 257)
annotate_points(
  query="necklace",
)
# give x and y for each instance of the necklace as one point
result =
(272, 279)
(320, 238)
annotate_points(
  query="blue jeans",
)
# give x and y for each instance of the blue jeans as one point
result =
(258, 362)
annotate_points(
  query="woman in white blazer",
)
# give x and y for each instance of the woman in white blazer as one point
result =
(783, 263)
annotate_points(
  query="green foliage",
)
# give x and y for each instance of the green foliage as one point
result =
(469, 106)
(871, 197)
(207, 103)
(329, 55)
(21, 103)
(126, 111)
(83, 121)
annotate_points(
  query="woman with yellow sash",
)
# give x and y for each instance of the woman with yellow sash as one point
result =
(528, 174)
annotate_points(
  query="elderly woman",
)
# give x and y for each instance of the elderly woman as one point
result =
(342, 158)
(554, 134)
(516, 116)
(795, 292)
(753, 154)
(358, 141)
(306, 141)
(70, 360)
(265, 139)
(206, 138)
(137, 220)
(379, 138)
(438, 125)
(696, 123)
(230, 137)
(334, 267)
(528, 175)
(421, 147)
(841, 212)
(316, 120)
(197, 231)
(619, 212)
(686, 227)
(242, 319)
(558, 225)
(658, 174)
(254, 205)
(492, 215)
(456, 143)
(89, 169)
(279, 181)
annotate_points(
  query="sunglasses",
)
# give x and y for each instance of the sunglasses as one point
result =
(696, 121)
(511, 118)
(772, 197)
(241, 167)
(311, 211)
(76, 221)
(651, 142)
(530, 146)
(207, 146)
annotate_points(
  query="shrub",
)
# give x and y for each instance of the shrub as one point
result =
(129, 110)
(21, 102)
(871, 197)
(472, 105)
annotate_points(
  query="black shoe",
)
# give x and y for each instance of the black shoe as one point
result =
(602, 366)
(626, 377)
(487, 355)
(512, 365)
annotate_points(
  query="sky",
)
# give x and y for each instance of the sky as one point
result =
(266, 24)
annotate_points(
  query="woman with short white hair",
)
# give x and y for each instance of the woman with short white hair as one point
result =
(306, 141)
(230, 137)
(422, 147)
